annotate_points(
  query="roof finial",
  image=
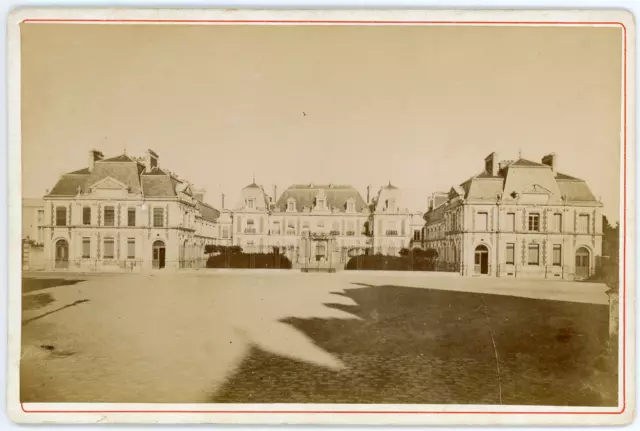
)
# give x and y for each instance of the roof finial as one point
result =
(389, 183)
(519, 153)
(125, 149)
(254, 178)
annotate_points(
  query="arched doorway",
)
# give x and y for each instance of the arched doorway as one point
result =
(321, 251)
(159, 252)
(62, 254)
(582, 262)
(481, 260)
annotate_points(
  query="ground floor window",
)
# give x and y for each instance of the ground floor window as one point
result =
(131, 248)
(534, 254)
(86, 248)
(511, 254)
(108, 248)
(557, 255)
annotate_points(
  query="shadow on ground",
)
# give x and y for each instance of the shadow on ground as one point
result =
(437, 347)
(34, 284)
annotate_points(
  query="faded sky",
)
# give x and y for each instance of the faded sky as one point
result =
(419, 106)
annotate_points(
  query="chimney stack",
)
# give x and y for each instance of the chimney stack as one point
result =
(275, 192)
(94, 156)
(491, 164)
(151, 160)
(368, 188)
(550, 160)
(222, 204)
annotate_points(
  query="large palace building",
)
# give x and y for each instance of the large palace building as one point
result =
(125, 213)
(320, 224)
(517, 218)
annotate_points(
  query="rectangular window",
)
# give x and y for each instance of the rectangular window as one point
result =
(86, 216)
(557, 222)
(131, 248)
(482, 223)
(416, 235)
(158, 217)
(108, 248)
(511, 254)
(320, 223)
(61, 216)
(534, 254)
(250, 203)
(534, 222)
(225, 232)
(86, 248)
(511, 222)
(131, 217)
(239, 224)
(305, 225)
(557, 255)
(40, 217)
(109, 216)
(583, 223)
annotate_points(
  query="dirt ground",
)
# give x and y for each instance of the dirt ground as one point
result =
(330, 338)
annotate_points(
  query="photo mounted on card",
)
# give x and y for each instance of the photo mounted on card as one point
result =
(321, 217)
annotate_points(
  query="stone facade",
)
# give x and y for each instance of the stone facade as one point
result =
(319, 224)
(125, 213)
(518, 219)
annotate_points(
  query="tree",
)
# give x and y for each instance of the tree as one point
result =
(404, 252)
(608, 268)
(610, 239)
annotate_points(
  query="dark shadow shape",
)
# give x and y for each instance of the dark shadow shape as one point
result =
(429, 346)
(39, 300)
(81, 301)
(33, 284)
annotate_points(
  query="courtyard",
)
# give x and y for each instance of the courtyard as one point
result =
(286, 337)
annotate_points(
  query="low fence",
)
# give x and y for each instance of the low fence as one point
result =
(249, 261)
(402, 263)
(118, 265)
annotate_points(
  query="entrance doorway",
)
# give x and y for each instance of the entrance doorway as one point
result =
(321, 251)
(158, 255)
(582, 263)
(481, 262)
(62, 254)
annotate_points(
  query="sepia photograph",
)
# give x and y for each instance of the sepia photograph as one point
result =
(277, 211)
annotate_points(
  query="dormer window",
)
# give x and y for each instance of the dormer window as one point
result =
(351, 205)
(251, 203)
(291, 205)
(321, 203)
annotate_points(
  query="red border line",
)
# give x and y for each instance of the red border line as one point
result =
(624, 229)
(292, 21)
(375, 412)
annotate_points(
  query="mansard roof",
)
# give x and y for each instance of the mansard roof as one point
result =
(337, 196)
(515, 177)
(156, 183)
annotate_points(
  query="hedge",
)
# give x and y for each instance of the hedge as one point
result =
(391, 263)
(249, 260)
